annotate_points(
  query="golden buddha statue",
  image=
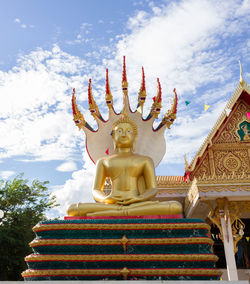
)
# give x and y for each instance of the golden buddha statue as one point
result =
(133, 181)
(128, 165)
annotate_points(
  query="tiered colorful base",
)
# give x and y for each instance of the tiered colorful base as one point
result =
(143, 247)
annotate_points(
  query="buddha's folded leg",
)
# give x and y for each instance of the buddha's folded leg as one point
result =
(121, 210)
(140, 208)
(157, 208)
(143, 203)
(143, 208)
(84, 209)
(114, 212)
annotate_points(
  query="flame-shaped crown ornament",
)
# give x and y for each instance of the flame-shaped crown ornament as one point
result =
(150, 140)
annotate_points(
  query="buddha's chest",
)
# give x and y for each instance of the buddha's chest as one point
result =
(131, 167)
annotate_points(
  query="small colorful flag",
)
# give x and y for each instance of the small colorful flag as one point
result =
(107, 151)
(206, 107)
(187, 103)
(248, 115)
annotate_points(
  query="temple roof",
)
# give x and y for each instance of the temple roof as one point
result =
(242, 90)
(165, 180)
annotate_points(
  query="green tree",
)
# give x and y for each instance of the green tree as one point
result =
(23, 206)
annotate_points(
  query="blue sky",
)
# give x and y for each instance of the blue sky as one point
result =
(49, 47)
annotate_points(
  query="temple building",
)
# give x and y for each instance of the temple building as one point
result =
(216, 185)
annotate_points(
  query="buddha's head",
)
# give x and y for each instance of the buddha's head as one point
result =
(124, 133)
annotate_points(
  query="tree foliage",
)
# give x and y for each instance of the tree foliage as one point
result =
(24, 206)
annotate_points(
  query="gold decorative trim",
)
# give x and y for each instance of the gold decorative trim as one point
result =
(158, 226)
(231, 162)
(231, 188)
(117, 272)
(233, 146)
(203, 168)
(232, 209)
(124, 273)
(124, 241)
(177, 190)
(192, 194)
(158, 241)
(228, 133)
(235, 210)
(123, 257)
(226, 178)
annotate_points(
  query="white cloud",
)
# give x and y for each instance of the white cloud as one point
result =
(244, 9)
(6, 174)
(22, 25)
(139, 20)
(85, 26)
(175, 44)
(78, 188)
(69, 166)
(36, 106)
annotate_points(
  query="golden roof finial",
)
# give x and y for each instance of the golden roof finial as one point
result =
(241, 77)
(186, 162)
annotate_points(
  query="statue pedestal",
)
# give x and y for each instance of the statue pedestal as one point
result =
(117, 248)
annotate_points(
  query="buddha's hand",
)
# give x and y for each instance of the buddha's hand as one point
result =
(113, 198)
(110, 200)
(148, 194)
(130, 200)
(122, 199)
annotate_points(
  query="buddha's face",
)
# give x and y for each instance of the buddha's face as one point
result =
(123, 136)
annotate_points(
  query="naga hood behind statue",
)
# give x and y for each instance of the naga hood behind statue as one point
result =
(150, 140)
